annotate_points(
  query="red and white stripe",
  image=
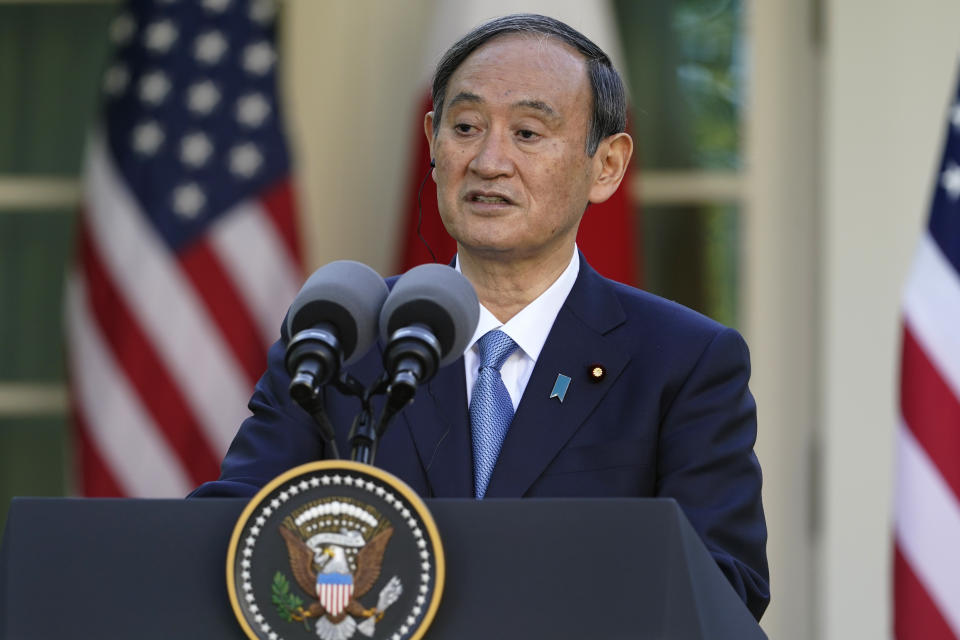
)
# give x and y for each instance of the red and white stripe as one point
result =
(164, 348)
(334, 597)
(927, 510)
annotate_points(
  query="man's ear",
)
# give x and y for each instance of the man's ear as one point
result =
(610, 165)
(428, 131)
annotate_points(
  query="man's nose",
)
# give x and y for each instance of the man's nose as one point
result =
(493, 158)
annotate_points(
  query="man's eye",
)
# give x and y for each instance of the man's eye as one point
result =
(462, 128)
(527, 134)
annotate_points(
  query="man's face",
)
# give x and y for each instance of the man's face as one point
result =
(513, 177)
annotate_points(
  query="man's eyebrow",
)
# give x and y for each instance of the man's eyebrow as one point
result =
(538, 105)
(465, 96)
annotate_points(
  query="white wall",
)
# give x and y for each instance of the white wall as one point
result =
(889, 70)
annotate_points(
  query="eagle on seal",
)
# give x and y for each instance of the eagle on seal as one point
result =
(315, 570)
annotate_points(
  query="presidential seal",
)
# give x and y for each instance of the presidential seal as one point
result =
(335, 550)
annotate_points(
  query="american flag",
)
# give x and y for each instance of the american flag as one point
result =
(187, 249)
(927, 512)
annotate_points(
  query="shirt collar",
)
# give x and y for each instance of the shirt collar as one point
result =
(530, 327)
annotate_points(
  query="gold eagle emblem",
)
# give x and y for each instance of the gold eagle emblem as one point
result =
(336, 551)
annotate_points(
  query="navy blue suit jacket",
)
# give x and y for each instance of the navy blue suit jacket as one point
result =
(672, 417)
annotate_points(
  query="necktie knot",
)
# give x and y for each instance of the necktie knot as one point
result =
(495, 347)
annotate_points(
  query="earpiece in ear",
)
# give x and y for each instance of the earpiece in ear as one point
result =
(433, 163)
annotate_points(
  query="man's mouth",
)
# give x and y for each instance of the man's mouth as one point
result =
(487, 198)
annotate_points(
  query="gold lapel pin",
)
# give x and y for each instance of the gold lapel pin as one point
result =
(597, 372)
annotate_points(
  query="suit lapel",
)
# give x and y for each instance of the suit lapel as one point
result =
(543, 425)
(439, 424)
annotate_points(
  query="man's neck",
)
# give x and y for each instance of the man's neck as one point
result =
(506, 286)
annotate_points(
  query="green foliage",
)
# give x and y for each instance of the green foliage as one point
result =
(685, 62)
(286, 603)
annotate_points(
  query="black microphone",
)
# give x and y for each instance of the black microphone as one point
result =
(426, 323)
(331, 323)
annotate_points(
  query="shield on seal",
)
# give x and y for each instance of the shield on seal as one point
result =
(334, 591)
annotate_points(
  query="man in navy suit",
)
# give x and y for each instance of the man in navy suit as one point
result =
(600, 389)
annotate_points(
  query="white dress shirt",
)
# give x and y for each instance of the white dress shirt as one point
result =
(529, 329)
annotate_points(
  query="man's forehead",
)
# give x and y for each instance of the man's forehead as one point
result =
(534, 69)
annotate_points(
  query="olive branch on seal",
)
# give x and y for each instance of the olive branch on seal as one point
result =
(287, 603)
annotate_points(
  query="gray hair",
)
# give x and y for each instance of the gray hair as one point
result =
(609, 98)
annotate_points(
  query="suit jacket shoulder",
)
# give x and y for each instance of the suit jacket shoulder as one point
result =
(672, 417)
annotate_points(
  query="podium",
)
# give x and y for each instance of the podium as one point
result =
(531, 568)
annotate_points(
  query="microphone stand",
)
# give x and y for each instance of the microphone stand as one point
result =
(312, 403)
(412, 354)
(363, 439)
(365, 435)
(319, 414)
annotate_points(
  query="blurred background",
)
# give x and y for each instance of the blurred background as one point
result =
(786, 155)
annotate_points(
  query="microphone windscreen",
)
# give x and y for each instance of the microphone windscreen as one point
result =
(439, 297)
(347, 295)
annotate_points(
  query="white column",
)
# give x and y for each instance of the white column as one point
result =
(353, 78)
(779, 279)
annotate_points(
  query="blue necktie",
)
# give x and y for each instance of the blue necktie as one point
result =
(491, 410)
